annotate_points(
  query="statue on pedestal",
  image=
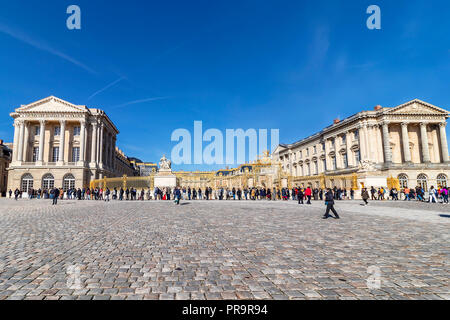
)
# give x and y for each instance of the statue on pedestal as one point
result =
(165, 164)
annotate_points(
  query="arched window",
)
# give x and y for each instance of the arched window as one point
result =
(403, 180)
(68, 182)
(48, 181)
(422, 181)
(441, 180)
(26, 182)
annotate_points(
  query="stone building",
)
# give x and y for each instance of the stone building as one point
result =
(261, 173)
(57, 143)
(143, 169)
(5, 160)
(407, 143)
(124, 165)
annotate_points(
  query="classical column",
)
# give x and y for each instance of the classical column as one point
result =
(41, 141)
(326, 150)
(62, 140)
(338, 155)
(444, 145)
(82, 141)
(109, 150)
(94, 144)
(114, 153)
(16, 126)
(362, 143)
(21, 140)
(100, 145)
(367, 130)
(424, 140)
(386, 144)
(291, 164)
(405, 140)
(349, 150)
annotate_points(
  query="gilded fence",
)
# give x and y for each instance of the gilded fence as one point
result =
(124, 182)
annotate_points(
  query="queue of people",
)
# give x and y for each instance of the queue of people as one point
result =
(302, 195)
(433, 195)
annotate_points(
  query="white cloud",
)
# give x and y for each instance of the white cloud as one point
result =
(106, 88)
(41, 46)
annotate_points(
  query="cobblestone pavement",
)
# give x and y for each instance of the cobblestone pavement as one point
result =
(222, 250)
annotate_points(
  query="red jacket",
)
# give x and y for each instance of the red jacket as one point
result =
(308, 192)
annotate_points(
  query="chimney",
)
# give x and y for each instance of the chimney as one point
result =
(336, 121)
(378, 108)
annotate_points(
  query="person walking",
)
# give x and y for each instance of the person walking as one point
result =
(432, 195)
(308, 193)
(329, 201)
(177, 196)
(107, 193)
(365, 196)
(55, 196)
(300, 196)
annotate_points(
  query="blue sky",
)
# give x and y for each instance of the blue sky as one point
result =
(155, 66)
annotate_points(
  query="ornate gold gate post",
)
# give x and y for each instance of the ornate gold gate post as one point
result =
(124, 182)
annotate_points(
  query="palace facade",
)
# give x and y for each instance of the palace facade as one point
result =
(406, 143)
(59, 144)
(5, 160)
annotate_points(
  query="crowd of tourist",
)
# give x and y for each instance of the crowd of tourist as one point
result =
(302, 195)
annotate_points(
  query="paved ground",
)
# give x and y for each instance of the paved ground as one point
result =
(223, 250)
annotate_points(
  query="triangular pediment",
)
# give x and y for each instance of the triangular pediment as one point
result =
(279, 149)
(417, 106)
(52, 104)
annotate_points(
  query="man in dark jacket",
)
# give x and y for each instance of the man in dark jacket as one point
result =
(365, 196)
(55, 196)
(300, 196)
(329, 201)
(177, 195)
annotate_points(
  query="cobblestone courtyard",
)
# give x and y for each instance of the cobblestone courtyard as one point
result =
(222, 250)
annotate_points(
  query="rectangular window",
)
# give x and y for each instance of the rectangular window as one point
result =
(35, 154)
(356, 134)
(324, 165)
(334, 163)
(37, 130)
(345, 160)
(57, 131)
(55, 155)
(75, 154)
(344, 139)
(357, 157)
(76, 131)
(315, 149)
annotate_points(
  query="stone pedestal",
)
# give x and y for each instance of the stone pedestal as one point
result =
(165, 179)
